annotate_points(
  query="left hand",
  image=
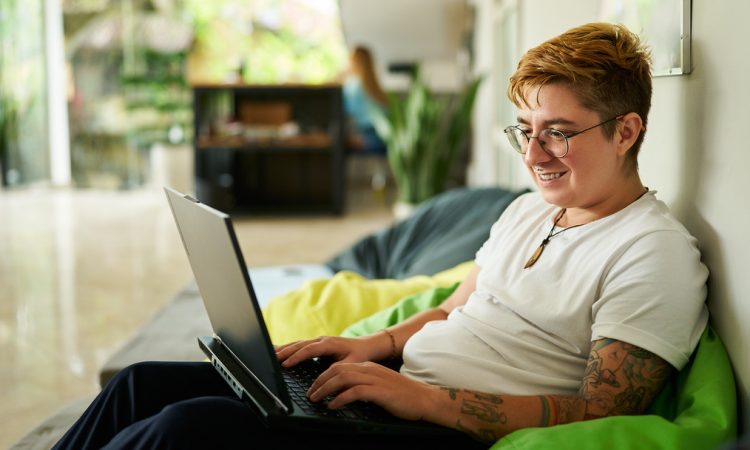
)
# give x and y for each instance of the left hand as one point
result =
(367, 348)
(372, 382)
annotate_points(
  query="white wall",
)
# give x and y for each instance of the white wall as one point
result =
(711, 191)
(696, 152)
(428, 32)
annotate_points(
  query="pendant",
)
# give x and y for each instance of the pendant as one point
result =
(535, 257)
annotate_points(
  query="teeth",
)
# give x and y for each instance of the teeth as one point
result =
(549, 176)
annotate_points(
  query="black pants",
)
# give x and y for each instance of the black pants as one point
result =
(173, 405)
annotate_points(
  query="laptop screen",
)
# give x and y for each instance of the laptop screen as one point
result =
(224, 284)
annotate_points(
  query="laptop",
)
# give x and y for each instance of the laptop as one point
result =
(240, 348)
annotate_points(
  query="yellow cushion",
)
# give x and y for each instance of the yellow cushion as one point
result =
(327, 306)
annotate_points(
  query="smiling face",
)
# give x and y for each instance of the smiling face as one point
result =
(594, 179)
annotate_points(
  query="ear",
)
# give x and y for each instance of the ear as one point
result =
(629, 127)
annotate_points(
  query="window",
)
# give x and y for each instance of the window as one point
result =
(24, 155)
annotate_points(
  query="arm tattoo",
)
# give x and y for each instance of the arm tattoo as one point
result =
(568, 408)
(483, 411)
(451, 392)
(484, 397)
(621, 378)
(596, 374)
(482, 407)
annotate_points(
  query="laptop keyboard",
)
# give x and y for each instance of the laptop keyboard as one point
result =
(299, 379)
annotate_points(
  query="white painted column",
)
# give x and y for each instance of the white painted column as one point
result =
(57, 105)
(482, 167)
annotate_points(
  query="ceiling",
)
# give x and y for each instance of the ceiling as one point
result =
(406, 31)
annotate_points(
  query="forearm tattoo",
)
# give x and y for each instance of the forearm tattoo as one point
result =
(619, 379)
(482, 408)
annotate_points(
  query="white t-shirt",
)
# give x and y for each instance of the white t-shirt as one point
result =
(633, 276)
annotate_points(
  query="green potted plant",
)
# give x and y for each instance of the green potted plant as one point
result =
(424, 134)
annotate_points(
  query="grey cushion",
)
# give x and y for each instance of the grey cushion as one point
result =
(46, 434)
(441, 233)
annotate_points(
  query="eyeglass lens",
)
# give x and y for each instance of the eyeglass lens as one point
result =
(551, 140)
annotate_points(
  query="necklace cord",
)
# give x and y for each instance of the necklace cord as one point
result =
(552, 233)
(538, 252)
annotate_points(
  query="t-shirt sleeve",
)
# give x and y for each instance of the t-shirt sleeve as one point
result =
(653, 296)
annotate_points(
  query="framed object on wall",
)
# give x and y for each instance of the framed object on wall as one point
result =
(664, 24)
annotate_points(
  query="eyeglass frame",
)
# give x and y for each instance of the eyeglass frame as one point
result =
(564, 135)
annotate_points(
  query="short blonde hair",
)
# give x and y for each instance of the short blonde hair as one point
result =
(606, 65)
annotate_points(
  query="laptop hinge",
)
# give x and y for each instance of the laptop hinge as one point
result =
(233, 382)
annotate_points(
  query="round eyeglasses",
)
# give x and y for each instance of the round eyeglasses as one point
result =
(553, 142)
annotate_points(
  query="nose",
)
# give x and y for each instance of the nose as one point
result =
(535, 153)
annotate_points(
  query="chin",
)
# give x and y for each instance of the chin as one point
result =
(554, 197)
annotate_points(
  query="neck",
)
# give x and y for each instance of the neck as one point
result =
(632, 191)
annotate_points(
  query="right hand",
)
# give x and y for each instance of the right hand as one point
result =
(351, 350)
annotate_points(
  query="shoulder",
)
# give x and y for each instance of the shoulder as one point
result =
(352, 88)
(645, 232)
(351, 82)
(652, 214)
(650, 221)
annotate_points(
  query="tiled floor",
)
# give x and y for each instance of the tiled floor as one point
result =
(81, 270)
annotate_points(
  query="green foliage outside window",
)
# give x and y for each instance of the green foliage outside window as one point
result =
(268, 41)
(24, 155)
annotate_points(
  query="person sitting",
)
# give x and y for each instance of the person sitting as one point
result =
(362, 94)
(587, 295)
